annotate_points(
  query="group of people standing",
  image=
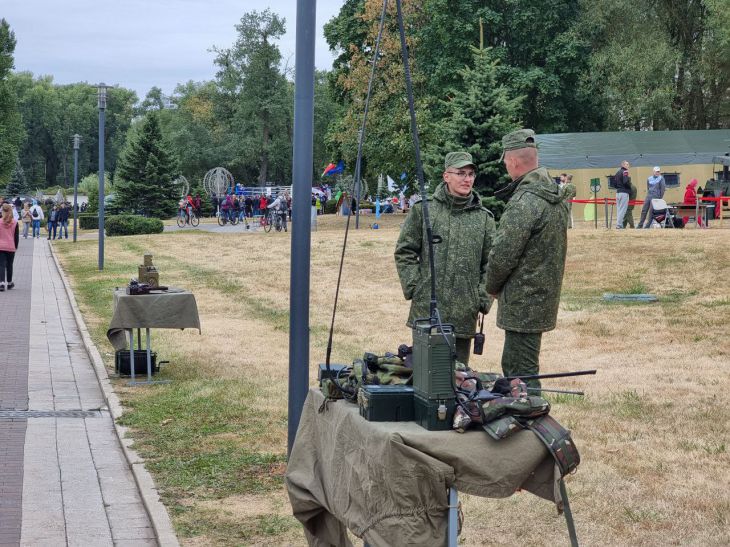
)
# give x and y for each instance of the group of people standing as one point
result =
(626, 194)
(520, 263)
(31, 215)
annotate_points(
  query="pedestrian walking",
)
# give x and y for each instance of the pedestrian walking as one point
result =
(36, 213)
(8, 246)
(52, 222)
(26, 218)
(62, 221)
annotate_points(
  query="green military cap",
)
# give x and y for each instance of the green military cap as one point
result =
(522, 138)
(458, 160)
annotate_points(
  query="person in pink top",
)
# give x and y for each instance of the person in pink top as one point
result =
(8, 245)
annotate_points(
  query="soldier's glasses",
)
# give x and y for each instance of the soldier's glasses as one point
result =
(463, 174)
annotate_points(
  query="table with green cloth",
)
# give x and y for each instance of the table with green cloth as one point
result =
(387, 481)
(171, 309)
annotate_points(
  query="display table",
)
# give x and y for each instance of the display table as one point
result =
(171, 309)
(387, 481)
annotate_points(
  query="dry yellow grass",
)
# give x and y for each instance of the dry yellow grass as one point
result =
(653, 431)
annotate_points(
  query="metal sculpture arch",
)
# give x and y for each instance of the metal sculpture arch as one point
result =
(217, 181)
(182, 183)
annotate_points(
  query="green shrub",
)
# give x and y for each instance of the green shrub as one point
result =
(127, 225)
(89, 221)
(330, 207)
(367, 205)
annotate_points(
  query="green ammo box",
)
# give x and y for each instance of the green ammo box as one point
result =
(433, 365)
(386, 403)
(434, 414)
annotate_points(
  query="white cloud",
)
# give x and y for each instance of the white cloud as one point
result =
(139, 44)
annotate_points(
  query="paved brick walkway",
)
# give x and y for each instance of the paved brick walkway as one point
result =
(64, 479)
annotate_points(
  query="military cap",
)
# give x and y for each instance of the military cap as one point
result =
(458, 160)
(522, 138)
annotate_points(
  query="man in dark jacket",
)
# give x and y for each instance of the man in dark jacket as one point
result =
(527, 260)
(622, 180)
(465, 229)
(62, 221)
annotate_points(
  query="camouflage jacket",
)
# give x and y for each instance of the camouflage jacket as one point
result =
(527, 259)
(466, 230)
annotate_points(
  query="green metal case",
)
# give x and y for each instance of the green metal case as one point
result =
(386, 403)
(433, 365)
(434, 414)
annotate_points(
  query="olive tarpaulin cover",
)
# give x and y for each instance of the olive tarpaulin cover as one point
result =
(173, 309)
(387, 481)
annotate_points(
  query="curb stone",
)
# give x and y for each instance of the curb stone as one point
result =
(157, 512)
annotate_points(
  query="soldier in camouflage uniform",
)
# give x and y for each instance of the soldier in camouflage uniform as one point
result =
(466, 230)
(527, 260)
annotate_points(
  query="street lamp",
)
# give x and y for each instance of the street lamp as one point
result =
(77, 142)
(102, 87)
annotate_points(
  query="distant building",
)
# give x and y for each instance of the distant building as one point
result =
(682, 156)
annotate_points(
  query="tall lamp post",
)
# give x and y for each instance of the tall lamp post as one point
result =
(301, 219)
(102, 87)
(77, 141)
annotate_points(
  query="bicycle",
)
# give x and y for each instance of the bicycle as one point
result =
(183, 219)
(224, 217)
(273, 220)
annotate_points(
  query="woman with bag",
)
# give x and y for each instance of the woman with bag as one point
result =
(8, 246)
(26, 217)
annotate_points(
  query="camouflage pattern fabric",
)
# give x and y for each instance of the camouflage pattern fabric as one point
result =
(527, 407)
(466, 229)
(503, 427)
(390, 371)
(521, 356)
(629, 217)
(527, 260)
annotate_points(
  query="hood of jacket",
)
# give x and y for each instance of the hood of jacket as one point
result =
(536, 182)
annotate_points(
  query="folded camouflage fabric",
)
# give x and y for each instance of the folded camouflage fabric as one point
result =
(503, 427)
(525, 407)
(379, 370)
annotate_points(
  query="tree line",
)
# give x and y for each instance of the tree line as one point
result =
(480, 68)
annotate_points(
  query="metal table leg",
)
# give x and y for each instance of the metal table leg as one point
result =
(149, 380)
(568, 515)
(131, 354)
(453, 531)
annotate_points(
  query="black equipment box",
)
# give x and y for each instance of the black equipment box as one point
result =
(384, 403)
(434, 414)
(332, 373)
(122, 367)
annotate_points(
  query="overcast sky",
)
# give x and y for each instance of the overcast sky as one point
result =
(139, 44)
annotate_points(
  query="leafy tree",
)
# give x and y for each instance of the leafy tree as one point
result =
(476, 119)
(388, 145)
(18, 184)
(11, 129)
(145, 173)
(259, 98)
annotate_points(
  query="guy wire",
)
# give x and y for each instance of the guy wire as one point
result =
(357, 178)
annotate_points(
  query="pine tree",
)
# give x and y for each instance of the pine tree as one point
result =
(145, 173)
(18, 184)
(477, 119)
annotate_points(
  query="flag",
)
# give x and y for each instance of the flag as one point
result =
(377, 207)
(331, 169)
(391, 184)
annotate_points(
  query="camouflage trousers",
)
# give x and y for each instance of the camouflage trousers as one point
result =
(521, 356)
(463, 350)
(629, 218)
